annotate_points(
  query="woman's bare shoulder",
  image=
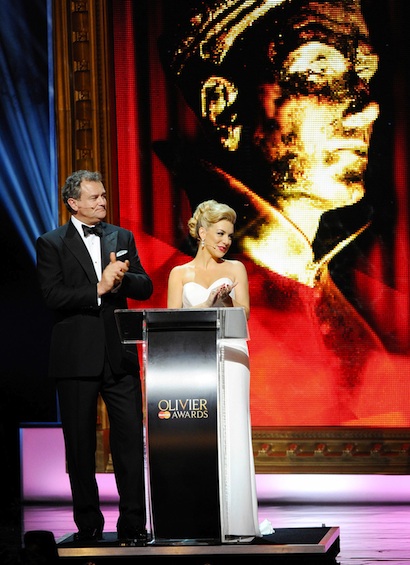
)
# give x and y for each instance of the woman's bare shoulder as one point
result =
(235, 264)
(181, 271)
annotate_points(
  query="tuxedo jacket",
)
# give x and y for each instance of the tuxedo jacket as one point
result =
(85, 331)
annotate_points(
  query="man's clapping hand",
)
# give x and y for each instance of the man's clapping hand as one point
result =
(112, 275)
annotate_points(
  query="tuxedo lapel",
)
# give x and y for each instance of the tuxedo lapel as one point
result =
(109, 243)
(73, 241)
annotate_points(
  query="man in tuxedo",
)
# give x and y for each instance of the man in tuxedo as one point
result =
(87, 269)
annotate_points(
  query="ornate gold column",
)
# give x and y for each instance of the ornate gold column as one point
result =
(83, 93)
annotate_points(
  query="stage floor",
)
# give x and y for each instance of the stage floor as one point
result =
(307, 542)
(369, 533)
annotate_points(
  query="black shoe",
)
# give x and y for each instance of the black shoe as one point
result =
(132, 538)
(87, 535)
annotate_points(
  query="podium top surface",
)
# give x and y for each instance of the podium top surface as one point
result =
(134, 324)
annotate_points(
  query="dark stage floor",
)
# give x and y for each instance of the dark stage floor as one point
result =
(369, 534)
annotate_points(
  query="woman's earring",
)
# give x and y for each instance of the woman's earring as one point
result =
(202, 243)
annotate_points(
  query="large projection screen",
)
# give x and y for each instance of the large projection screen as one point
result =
(295, 114)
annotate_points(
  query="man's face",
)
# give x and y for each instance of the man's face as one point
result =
(316, 117)
(91, 207)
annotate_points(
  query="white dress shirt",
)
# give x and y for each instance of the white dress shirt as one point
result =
(93, 245)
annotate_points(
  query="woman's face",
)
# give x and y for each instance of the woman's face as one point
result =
(218, 237)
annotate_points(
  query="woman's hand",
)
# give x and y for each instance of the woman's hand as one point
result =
(219, 296)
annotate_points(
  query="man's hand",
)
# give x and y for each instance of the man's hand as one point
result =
(112, 275)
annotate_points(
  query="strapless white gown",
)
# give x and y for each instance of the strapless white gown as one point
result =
(239, 506)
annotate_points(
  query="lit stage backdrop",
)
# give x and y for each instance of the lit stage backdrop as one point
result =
(292, 112)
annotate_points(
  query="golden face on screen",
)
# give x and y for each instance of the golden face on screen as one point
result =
(315, 126)
(313, 113)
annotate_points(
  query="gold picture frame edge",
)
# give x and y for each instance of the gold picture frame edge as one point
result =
(342, 450)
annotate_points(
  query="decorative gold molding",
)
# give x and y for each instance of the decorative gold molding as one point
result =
(83, 67)
(331, 450)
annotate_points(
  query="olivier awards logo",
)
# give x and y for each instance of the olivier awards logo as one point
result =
(189, 408)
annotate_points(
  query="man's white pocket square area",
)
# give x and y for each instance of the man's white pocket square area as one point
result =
(122, 252)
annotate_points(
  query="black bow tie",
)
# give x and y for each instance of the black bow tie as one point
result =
(96, 230)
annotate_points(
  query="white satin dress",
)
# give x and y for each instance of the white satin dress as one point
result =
(239, 506)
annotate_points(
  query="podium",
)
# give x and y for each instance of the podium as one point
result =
(182, 363)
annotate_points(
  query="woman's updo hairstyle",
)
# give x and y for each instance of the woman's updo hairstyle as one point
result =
(208, 213)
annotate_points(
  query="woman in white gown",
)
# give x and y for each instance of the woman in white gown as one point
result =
(210, 281)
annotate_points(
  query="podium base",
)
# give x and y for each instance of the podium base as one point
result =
(317, 544)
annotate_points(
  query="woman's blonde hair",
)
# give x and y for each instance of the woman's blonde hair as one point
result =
(208, 213)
